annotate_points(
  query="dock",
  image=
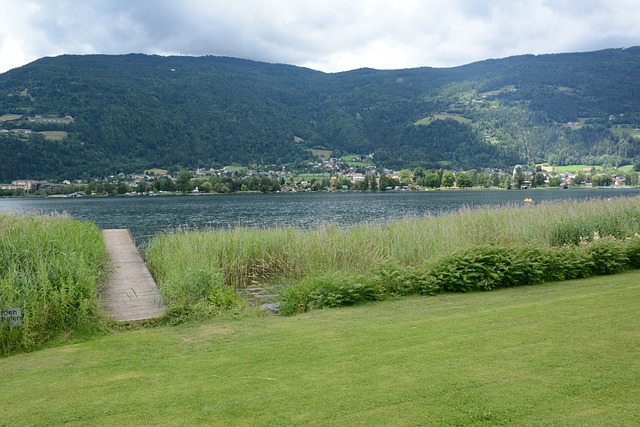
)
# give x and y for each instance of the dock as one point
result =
(130, 293)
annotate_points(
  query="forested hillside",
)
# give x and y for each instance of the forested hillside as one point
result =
(75, 116)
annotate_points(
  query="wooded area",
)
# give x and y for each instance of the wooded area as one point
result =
(132, 112)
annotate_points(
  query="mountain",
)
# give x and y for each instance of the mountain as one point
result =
(79, 116)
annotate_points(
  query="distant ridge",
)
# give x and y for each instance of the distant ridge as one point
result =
(135, 112)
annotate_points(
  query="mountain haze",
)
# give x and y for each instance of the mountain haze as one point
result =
(72, 116)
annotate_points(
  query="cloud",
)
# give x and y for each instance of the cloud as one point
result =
(330, 35)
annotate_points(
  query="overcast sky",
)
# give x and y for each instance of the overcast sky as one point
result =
(326, 35)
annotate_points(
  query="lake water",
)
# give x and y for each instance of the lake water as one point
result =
(146, 216)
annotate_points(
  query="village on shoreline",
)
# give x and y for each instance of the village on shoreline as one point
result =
(352, 173)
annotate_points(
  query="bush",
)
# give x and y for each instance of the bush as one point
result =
(489, 267)
(607, 256)
(566, 263)
(397, 280)
(632, 251)
(329, 290)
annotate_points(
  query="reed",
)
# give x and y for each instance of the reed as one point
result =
(50, 267)
(242, 257)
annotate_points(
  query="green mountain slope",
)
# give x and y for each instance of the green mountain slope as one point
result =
(130, 112)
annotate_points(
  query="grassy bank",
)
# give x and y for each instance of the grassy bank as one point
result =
(202, 268)
(557, 354)
(49, 268)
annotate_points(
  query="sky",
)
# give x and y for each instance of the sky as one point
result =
(325, 35)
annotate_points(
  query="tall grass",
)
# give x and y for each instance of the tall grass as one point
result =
(242, 257)
(50, 267)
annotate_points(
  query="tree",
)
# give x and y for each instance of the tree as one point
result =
(165, 184)
(405, 176)
(484, 179)
(601, 180)
(539, 180)
(505, 181)
(385, 182)
(463, 180)
(555, 181)
(495, 179)
(580, 178)
(183, 181)
(361, 185)
(473, 175)
(206, 187)
(342, 184)
(142, 187)
(373, 184)
(219, 187)
(518, 178)
(448, 179)
(110, 189)
(432, 180)
(419, 174)
(123, 188)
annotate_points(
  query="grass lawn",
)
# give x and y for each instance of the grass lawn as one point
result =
(156, 171)
(349, 160)
(576, 168)
(321, 154)
(626, 168)
(559, 354)
(310, 176)
(622, 130)
(581, 168)
(235, 169)
(9, 117)
(442, 116)
(54, 135)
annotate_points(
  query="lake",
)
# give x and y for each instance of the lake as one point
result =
(146, 216)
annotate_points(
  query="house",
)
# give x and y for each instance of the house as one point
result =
(25, 184)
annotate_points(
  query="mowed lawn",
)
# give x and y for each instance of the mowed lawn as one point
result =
(558, 354)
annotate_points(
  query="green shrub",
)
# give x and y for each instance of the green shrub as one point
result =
(295, 298)
(607, 256)
(328, 290)
(339, 290)
(566, 263)
(489, 267)
(632, 251)
(398, 280)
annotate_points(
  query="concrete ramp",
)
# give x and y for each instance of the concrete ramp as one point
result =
(131, 293)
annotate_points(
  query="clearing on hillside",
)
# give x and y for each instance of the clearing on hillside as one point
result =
(321, 154)
(9, 117)
(54, 135)
(442, 116)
